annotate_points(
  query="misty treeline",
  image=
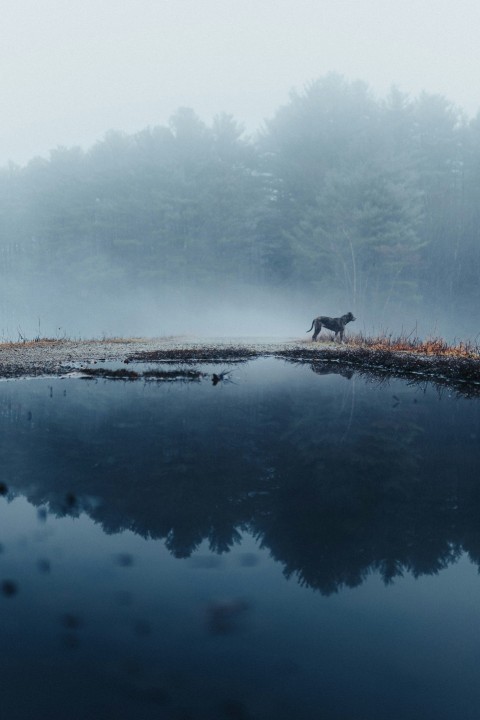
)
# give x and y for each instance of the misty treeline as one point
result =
(369, 202)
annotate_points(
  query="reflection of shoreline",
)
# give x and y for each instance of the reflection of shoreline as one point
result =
(442, 369)
(56, 357)
(461, 373)
(464, 388)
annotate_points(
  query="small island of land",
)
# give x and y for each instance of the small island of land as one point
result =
(435, 361)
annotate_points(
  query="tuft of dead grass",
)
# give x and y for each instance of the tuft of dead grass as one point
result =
(38, 342)
(431, 346)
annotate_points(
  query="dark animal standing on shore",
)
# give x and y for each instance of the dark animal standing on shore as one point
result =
(337, 325)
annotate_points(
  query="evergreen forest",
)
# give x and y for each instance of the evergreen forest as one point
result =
(371, 203)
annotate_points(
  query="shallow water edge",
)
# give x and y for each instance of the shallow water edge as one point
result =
(61, 357)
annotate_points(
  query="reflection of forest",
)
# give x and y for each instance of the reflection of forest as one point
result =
(338, 478)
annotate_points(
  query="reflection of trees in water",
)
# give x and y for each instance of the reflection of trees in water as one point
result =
(336, 537)
(390, 495)
(343, 497)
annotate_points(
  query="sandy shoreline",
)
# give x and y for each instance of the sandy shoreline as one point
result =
(60, 357)
(56, 357)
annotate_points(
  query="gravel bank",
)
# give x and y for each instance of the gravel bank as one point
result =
(56, 357)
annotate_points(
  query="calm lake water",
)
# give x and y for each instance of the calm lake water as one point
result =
(283, 544)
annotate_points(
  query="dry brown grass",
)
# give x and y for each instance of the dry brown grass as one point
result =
(11, 345)
(431, 346)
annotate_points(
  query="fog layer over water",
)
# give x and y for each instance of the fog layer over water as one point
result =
(247, 549)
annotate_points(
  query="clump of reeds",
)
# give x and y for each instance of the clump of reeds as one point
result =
(431, 346)
(37, 342)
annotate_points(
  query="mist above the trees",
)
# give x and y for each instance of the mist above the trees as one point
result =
(73, 70)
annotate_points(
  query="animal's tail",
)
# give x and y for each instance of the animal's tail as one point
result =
(311, 326)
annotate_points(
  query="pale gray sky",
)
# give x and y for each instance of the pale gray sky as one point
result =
(72, 69)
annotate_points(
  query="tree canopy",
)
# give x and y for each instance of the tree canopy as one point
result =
(370, 200)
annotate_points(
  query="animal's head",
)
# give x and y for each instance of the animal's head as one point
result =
(349, 317)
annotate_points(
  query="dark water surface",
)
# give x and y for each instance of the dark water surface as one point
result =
(284, 545)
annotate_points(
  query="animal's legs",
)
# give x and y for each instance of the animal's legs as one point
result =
(318, 327)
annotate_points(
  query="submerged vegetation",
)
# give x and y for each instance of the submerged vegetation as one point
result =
(123, 374)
